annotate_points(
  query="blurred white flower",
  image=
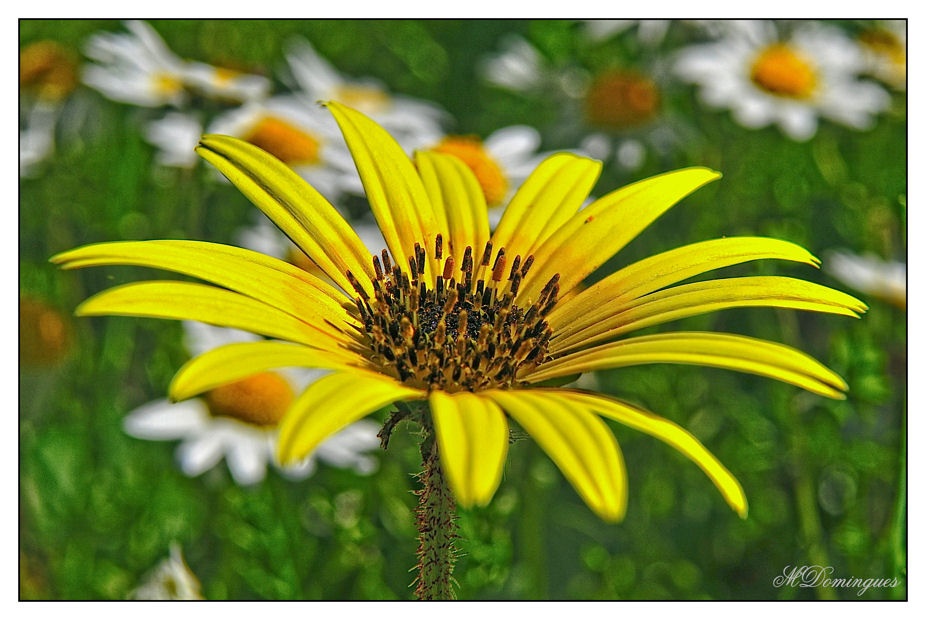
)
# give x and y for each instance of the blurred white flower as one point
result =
(239, 421)
(885, 49)
(170, 580)
(223, 83)
(138, 68)
(870, 275)
(302, 135)
(520, 67)
(175, 136)
(37, 137)
(614, 113)
(412, 122)
(763, 79)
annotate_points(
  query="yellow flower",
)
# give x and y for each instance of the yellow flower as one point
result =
(470, 322)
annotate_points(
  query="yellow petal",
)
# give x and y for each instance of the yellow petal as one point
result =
(552, 194)
(393, 187)
(672, 434)
(333, 402)
(294, 206)
(239, 360)
(751, 355)
(459, 204)
(256, 275)
(692, 299)
(208, 304)
(472, 435)
(580, 444)
(596, 233)
(666, 268)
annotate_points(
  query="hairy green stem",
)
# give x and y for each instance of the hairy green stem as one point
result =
(436, 524)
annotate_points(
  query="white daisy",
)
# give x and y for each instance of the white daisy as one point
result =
(885, 48)
(300, 134)
(871, 275)
(175, 136)
(170, 580)
(238, 421)
(763, 79)
(136, 68)
(612, 113)
(140, 69)
(412, 122)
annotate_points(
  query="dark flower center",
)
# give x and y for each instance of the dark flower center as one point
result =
(466, 335)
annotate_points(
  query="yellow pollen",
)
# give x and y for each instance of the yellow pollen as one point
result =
(48, 69)
(260, 400)
(367, 99)
(489, 174)
(223, 75)
(166, 83)
(621, 99)
(287, 143)
(44, 335)
(781, 71)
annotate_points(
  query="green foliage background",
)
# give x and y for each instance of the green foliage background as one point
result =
(825, 479)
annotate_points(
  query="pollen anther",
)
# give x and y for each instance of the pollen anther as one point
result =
(454, 336)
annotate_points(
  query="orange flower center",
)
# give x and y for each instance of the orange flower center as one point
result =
(287, 143)
(44, 336)
(367, 99)
(47, 68)
(621, 99)
(779, 70)
(260, 400)
(489, 174)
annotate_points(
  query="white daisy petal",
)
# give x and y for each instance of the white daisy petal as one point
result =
(247, 459)
(202, 337)
(164, 420)
(175, 136)
(798, 122)
(201, 452)
(513, 143)
(301, 470)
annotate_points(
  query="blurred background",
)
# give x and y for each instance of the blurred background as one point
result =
(807, 122)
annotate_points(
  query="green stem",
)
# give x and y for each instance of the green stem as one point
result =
(899, 527)
(436, 527)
